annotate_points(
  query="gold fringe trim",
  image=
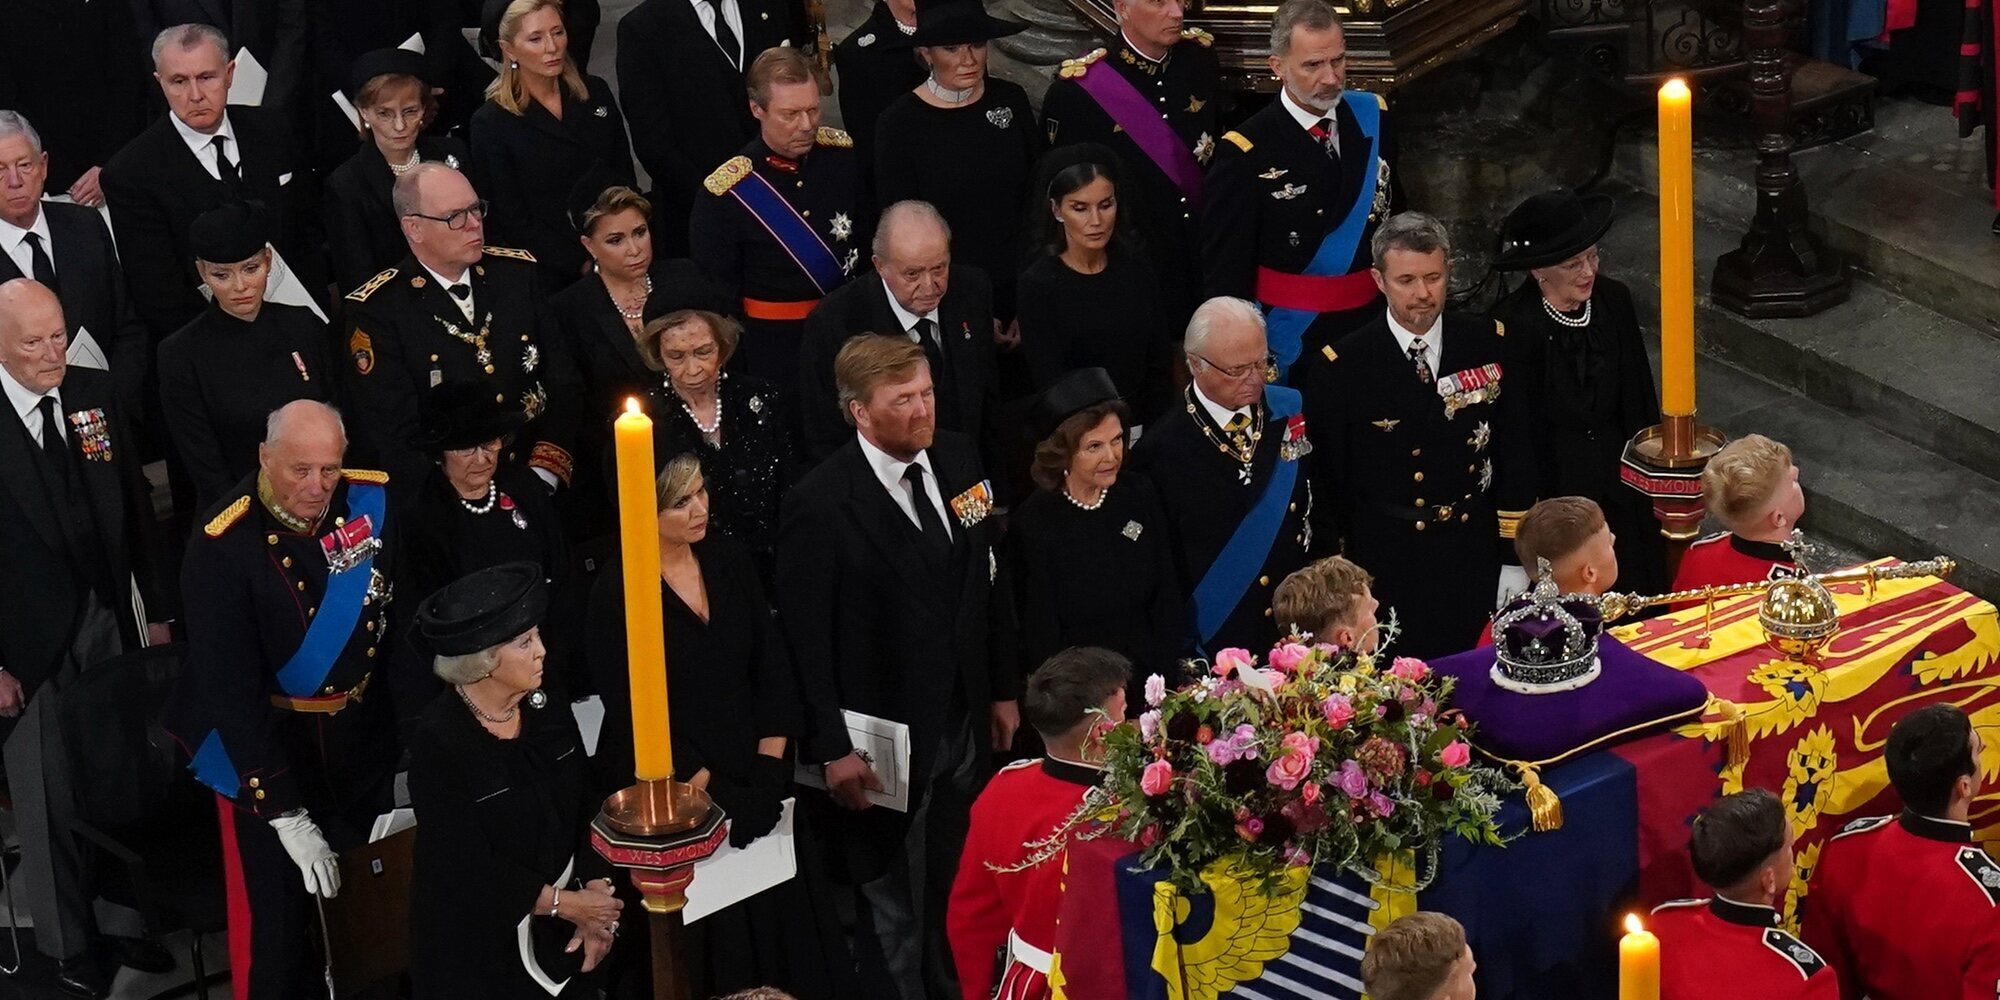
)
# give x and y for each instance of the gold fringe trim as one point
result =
(1545, 810)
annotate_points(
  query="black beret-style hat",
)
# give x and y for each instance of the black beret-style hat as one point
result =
(483, 609)
(1077, 391)
(228, 233)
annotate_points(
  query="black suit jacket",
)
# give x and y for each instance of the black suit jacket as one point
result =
(363, 235)
(873, 626)
(274, 30)
(156, 188)
(530, 161)
(92, 289)
(686, 103)
(873, 73)
(40, 615)
(968, 400)
(77, 70)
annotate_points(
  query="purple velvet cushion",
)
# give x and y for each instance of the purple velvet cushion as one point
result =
(1632, 689)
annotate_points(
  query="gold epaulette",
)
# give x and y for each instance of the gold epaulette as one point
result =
(1499, 329)
(1510, 522)
(1073, 68)
(1237, 139)
(1198, 36)
(361, 294)
(510, 252)
(725, 177)
(1383, 101)
(829, 136)
(227, 519)
(1329, 352)
(375, 476)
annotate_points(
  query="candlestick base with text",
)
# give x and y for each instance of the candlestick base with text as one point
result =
(656, 831)
(1665, 462)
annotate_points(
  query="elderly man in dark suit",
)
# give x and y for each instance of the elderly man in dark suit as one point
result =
(34, 235)
(946, 310)
(680, 75)
(199, 156)
(274, 31)
(887, 588)
(72, 510)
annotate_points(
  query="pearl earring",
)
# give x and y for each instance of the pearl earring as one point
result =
(513, 65)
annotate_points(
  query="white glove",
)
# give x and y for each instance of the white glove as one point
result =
(1513, 583)
(308, 849)
(548, 478)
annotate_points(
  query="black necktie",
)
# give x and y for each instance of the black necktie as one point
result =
(230, 173)
(927, 338)
(927, 515)
(724, 36)
(44, 268)
(1323, 131)
(52, 439)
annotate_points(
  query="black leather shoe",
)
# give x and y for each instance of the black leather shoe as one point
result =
(83, 977)
(141, 955)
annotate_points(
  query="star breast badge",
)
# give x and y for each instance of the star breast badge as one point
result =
(841, 227)
(1204, 147)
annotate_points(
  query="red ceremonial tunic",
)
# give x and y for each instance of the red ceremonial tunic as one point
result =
(1025, 802)
(1712, 947)
(1907, 908)
(1725, 558)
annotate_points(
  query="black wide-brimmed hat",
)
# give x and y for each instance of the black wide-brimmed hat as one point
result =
(383, 62)
(228, 233)
(1551, 228)
(464, 414)
(482, 610)
(1073, 393)
(955, 22)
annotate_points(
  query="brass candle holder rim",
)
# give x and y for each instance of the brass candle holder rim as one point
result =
(1654, 444)
(656, 807)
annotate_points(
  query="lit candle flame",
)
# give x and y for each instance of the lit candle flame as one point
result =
(631, 404)
(1632, 924)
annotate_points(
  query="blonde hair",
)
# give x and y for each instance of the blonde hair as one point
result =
(611, 201)
(508, 89)
(869, 360)
(1319, 596)
(1743, 477)
(1412, 958)
(675, 482)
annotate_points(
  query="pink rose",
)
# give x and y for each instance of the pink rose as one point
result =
(1380, 804)
(1287, 657)
(1339, 710)
(1156, 690)
(1149, 836)
(1294, 761)
(1310, 793)
(1156, 778)
(1410, 669)
(1231, 660)
(1149, 725)
(1456, 754)
(1351, 780)
(1297, 857)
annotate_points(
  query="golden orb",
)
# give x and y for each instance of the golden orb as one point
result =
(1798, 616)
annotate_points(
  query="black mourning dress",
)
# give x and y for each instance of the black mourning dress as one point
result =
(1589, 389)
(497, 820)
(1110, 320)
(445, 541)
(363, 235)
(220, 378)
(729, 685)
(1102, 577)
(972, 162)
(748, 473)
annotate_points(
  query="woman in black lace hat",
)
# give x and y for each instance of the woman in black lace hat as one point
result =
(1575, 351)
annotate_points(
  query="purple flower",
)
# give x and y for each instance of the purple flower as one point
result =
(1238, 745)
(1380, 804)
(1149, 723)
(1156, 691)
(1351, 780)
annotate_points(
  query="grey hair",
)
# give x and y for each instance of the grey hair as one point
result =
(186, 37)
(909, 210)
(274, 425)
(1316, 15)
(1413, 231)
(466, 668)
(13, 123)
(1202, 323)
(406, 197)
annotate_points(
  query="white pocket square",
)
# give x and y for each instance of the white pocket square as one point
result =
(284, 179)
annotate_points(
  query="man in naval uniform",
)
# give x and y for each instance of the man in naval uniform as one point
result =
(282, 706)
(1294, 194)
(1420, 455)
(455, 310)
(782, 224)
(1156, 98)
(1229, 466)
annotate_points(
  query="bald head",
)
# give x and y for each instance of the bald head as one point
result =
(434, 191)
(34, 342)
(300, 457)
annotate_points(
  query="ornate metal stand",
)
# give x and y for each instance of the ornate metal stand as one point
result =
(1780, 269)
(1664, 462)
(656, 831)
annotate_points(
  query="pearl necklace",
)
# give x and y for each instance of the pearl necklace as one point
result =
(407, 165)
(948, 96)
(638, 313)
(1093, 505)
(481, 713)
(1557, 315)
(715, 417)
(492, 497)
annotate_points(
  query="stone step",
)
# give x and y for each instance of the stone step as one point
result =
(1905, 203)
(1880, 358)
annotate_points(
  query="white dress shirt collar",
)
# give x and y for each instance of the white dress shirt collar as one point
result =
(908, 319)
(27, 405)
(1216, 411)
(1433, 339)
(444, 285)
(1141, 53)
(1306, 117)
(198, 143)
(889, 472)
(13, 240)
(732, 15)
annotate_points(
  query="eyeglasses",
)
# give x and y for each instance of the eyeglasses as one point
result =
(456, 220)
(1266, 369)
(397, 116)
(1575, 267)
(489, 448)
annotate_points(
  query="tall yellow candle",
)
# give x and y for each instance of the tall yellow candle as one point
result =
(1676, 251)
(645, 633)
(1638, 962)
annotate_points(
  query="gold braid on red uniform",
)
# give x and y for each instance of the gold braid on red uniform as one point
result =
(548, 456)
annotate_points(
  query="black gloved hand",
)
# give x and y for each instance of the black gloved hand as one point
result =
(753, 809)
(773, 773)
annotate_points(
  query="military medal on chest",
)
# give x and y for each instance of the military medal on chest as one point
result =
(1239, 445)
(482, 352)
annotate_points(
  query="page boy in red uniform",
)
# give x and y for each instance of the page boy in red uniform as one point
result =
(1752, 487)
(1571, 533)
